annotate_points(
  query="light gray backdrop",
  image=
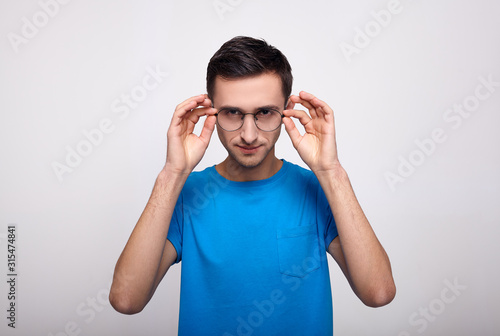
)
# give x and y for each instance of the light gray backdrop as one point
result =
(87, 92)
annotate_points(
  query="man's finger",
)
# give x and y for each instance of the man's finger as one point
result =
(195, 114)
(189, 106)
(303, 117)
(292, 131)
(197, 99)
(208, 128)
(306, 104)
(322, 107)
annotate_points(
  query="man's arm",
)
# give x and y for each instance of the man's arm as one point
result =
(148, 254)
(356, 249)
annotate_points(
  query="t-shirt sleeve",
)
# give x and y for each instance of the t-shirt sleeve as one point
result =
(175, 229)
(326, 218)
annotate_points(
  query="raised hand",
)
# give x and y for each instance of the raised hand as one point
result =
(184, 148)
(317, 147)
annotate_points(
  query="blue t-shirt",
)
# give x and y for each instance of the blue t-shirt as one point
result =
(254, 255)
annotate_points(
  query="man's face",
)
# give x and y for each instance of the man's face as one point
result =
(249, 146)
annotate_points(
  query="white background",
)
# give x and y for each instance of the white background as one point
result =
(439, 223)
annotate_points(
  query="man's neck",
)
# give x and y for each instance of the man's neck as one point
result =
(233, 171)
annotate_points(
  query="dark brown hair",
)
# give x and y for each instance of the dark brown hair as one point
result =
(244, 56)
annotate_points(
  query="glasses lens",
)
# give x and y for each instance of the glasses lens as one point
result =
(268, 120)
(230, 120)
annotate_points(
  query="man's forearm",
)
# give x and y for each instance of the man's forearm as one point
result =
(367, 264)
(137, 268)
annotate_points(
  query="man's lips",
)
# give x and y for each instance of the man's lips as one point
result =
(248, 149)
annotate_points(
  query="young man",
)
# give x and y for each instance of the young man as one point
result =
(252, 231)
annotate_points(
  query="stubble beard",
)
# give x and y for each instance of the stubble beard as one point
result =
(249, 161)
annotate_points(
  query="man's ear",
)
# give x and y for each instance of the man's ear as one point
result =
(289, 104)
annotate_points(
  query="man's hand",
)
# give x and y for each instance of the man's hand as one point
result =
(184, 148)
(317, 147)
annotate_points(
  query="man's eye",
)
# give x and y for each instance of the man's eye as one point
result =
(264, 112)
(233, 112)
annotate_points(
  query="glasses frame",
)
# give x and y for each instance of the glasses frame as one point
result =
(243, 115)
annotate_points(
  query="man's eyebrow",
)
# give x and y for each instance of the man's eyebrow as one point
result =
(228, 107)
(268, 107)
(265, 107)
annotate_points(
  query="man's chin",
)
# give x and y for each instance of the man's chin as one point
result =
(247, 161)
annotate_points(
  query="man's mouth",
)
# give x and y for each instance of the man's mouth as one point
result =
(248, 149)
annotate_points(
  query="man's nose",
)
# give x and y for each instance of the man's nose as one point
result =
(249, 131)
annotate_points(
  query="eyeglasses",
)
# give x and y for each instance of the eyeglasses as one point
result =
(266, 120)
